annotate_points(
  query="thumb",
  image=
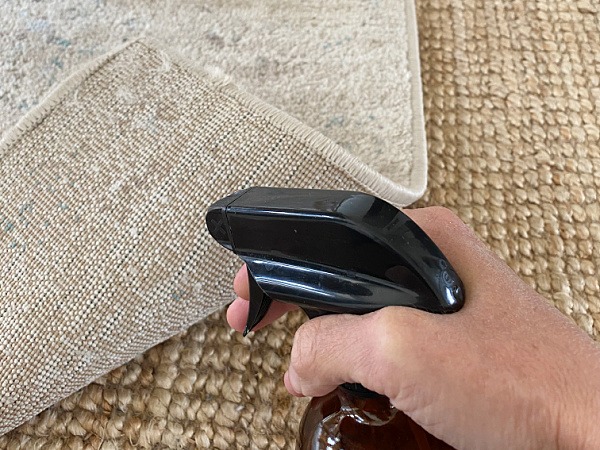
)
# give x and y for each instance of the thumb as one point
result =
(335, 349)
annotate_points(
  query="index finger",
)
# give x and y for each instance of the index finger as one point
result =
(237, 314)
(240, 283)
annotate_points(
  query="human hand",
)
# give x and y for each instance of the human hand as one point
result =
(508, 370)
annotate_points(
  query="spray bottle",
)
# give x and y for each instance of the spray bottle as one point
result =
(338, 252)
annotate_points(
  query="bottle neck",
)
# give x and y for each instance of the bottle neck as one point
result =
(358, 390)
(375, 404)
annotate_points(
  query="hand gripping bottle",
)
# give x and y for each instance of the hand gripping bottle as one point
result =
(338, 252)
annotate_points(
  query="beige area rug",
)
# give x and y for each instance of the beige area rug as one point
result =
(340, 67)
(104, 184)
(510, 96)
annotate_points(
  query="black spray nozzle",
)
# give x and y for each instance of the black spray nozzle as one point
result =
(332, 252)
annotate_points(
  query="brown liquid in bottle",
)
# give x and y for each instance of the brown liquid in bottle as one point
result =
(343, 421)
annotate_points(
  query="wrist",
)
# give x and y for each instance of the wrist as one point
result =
(581, 435)
(579, 425)
(584, 431)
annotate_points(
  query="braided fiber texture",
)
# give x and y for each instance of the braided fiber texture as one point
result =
(511, 98)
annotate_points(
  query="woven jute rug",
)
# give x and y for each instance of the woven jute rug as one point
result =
(510, 97)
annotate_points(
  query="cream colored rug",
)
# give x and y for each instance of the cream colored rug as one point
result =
(510, 98)
(341, 67)
(105, 183)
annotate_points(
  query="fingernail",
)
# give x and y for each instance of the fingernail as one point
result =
(292, 384)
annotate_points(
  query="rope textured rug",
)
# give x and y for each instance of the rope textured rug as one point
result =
(511, 92)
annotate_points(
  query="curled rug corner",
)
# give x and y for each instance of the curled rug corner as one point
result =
(103, 190)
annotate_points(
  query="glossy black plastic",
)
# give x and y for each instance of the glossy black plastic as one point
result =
(332, 252)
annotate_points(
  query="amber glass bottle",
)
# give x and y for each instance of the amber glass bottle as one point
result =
(347, 420)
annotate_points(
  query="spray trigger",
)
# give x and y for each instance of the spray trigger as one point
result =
(259, 304)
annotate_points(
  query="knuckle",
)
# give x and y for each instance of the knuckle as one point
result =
(444, 221)
(388, 332)
(305, 347)
(443, 214)
(395, 330)
(398, 348)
